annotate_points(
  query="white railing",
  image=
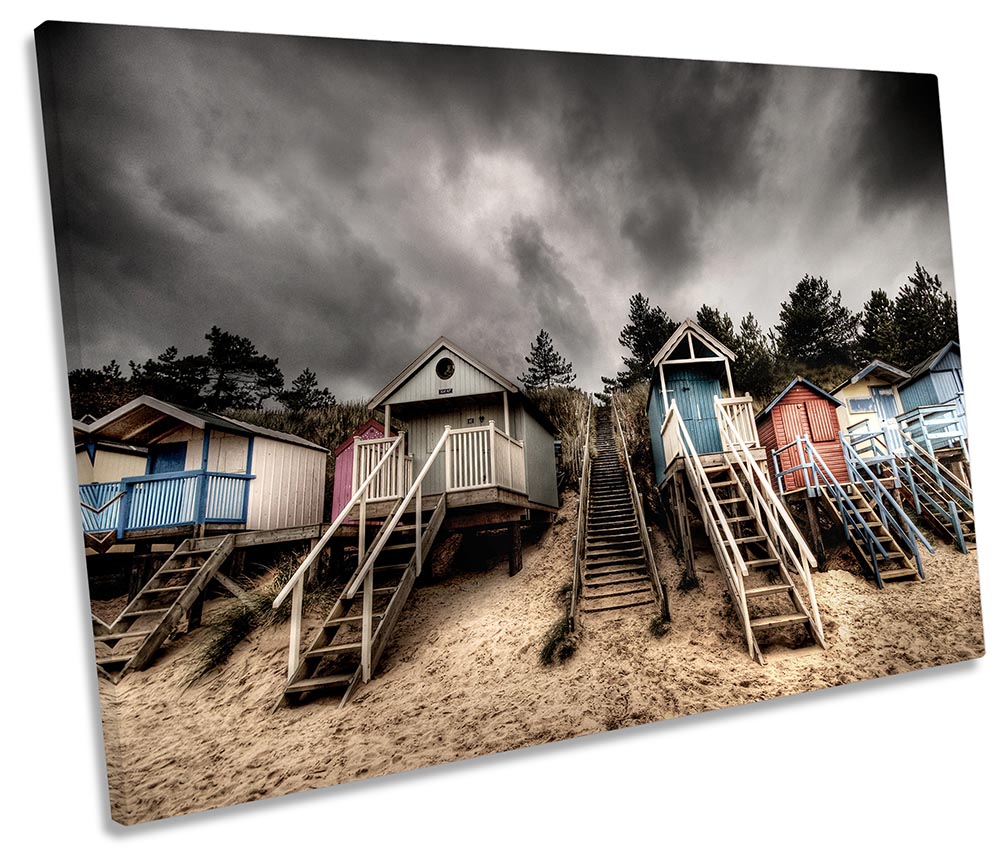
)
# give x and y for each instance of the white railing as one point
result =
(484, 457)
(670, 436)
(393, 479)
(724, 544)
(296, 583)
(776, 522)
(740, 413)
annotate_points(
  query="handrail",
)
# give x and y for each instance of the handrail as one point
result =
(387, 529)
(579, 547)
(314, 553)
(720, 534)
(769, 506)
(651, 562)
(905, 527)
(760, 481)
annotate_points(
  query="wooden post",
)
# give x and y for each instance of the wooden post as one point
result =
(514, 554)
(507, 415)
(195, 612)
(418, 527)
(388, 424)
(493, 452)
(448, 460)
(295, 632)
(690, 577)
(313, 574)
(815, 534)
(366, 628)
(139, 569)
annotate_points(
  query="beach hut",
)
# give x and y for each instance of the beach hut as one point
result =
(199, 471)
(933, 399)
(499, 458)
(101, 460)
(802, 409)
(344, 462)
(474, 453)
(872, 403)
(707, 454)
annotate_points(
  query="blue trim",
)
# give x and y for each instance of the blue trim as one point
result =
(92, 451)
(203, 482)
(246, 492)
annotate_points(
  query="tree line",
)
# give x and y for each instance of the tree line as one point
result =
(231, 375)
(816, 334)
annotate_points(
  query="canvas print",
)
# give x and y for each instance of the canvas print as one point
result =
(433, 401)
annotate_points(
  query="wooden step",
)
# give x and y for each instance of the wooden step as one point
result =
(761, 562)
(314, 683)
(591, 609)
(778, 620)
(144, 613)
(330, 650)
(632, 579)
(172, 589)
(608, 571)
(118, 636)
(766, 590)
(614, 551)
(757, 538)
(897, 573)
(340, 621)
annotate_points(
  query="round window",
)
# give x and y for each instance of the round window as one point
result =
(445, 368)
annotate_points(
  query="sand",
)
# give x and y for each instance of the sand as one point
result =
(462, 678)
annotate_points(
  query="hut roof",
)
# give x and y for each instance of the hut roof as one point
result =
(426, 357)
(432, 351)
(931, 362)
(145, 419)
(371, 423)
(812, 386)
(878, 369)
(686, 326)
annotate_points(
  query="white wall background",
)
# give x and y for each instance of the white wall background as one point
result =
(910, 762)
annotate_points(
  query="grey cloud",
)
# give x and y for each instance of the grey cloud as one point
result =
(561, 308)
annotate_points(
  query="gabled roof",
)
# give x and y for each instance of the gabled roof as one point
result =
(812, 386)
(686, 326)
(371, 423)
(426, 357)
(932, 361)
(878, 369)
(145, 419)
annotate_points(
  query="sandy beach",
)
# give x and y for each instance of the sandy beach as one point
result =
(462, 678)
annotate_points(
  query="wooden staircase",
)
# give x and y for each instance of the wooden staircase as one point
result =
(872, 543)
(615, 575)
(133, 639)
(333, 660)
(942, 499)
(764, 560)
(771, 599)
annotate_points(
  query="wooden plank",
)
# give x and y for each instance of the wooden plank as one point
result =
(514, 563)
(233, 588)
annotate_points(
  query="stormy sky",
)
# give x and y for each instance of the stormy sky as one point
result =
(344, 203)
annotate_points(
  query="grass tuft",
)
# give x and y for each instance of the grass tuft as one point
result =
(560, 643)
(236, 622)
(660, 626)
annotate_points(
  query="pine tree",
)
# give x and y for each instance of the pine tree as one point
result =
(718, 324)
(643, 335)
(814, 327)
(305, 393)
(755, 368)
(925, 318)
(878, 337)
(546, 367)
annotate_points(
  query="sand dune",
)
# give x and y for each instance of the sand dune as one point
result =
(462, 678)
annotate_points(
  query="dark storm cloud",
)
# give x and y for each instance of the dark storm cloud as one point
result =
(898, 156)
(562, 309)
(344, 203)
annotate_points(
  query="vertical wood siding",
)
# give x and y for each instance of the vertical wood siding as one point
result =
(288, 488)
(540, 462)
(790, 418)
(426, 385)
(655, 416)
(694, 391)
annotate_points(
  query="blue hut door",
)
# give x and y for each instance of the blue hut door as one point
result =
(886, 408)
(694, 394)
(168, 457)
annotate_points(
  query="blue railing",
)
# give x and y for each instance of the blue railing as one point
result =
(193, 497)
